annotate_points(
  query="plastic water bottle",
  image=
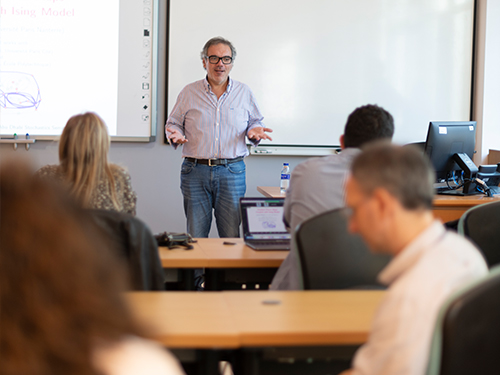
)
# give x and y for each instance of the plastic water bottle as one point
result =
(285, 178)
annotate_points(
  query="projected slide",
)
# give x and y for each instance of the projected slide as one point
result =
(18, 90)
(266, 219)
(51, 47)
(63, 57)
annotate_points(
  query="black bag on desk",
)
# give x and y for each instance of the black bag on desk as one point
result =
(173, 240)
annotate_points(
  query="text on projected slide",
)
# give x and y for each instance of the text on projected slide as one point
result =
(59, 58)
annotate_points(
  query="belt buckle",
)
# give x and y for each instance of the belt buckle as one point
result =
(210, 162)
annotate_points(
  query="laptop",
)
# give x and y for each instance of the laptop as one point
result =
(263, 227)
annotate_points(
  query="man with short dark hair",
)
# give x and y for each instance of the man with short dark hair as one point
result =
(317, 185)
(390, 193)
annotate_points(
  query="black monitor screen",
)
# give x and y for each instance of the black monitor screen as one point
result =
(446, 138)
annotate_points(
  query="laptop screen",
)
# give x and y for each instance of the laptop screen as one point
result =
(262, 218)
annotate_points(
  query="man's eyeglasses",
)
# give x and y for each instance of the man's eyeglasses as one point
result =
(226, 60)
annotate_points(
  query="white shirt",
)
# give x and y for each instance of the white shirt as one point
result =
(136, 356)
(421, 278)
(215, 127)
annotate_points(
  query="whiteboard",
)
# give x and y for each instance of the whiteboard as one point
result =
(311, 63)
(61, 58)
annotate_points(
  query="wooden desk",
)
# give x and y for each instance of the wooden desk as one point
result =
(449, 208)
(224, 264)
(303, 317)
(239, 255)
(244, 319)
(182, 258)
(446, 208)
(309, 328)
(186, 319)
(271, 191)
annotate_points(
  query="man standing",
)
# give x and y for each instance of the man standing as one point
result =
(390, 193)
(317, 185)
(211, 119)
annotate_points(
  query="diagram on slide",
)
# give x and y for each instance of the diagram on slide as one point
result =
(265, 219)
(269, 224)
(19, 90)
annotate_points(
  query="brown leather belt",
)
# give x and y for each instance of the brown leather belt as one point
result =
(213, 162)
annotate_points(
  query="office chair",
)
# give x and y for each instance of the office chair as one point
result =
(332, 258)
(467, 332)
(481, 224)
(136, 244)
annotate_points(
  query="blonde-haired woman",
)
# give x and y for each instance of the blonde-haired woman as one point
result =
(83, 158)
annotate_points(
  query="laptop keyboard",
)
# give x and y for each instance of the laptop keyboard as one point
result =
(269, 245)
(274, 243)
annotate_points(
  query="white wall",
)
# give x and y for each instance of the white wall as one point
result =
(491, 100)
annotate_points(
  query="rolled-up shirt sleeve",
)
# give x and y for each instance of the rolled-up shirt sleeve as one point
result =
(177, 116)
(255, 118)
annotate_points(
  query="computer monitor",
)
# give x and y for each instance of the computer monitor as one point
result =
(490, 175)
(444, 140)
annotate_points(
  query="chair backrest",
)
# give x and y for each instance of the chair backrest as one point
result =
(332, 258)
(482, 225)
(466, 337)
(135, 242)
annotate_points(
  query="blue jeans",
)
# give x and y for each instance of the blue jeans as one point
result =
(217, 188)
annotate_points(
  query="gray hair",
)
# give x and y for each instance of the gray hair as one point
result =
(404, 172)
(218, 40)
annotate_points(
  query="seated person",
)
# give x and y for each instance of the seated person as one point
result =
(61, 290)
(390, 193)
(317, 185)
(83, 158)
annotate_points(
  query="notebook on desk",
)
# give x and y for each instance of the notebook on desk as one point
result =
(262, 221)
